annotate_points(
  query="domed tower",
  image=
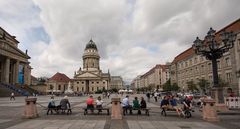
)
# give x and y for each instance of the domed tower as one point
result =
(91, 57)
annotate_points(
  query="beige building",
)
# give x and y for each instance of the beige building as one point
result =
(116, 82)
(155, 77)
(188, 66)
(136, 83)
(14, 64)
(90, 78)
(57, 84)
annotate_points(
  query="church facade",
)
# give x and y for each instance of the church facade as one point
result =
(90, 77)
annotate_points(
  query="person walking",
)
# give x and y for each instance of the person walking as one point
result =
(155, 96)
(12, 96)
(148, 96)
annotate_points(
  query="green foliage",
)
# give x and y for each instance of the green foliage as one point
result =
(191, 86)
(99, 92)
(222, 83)
(203, 84)
(168, 87)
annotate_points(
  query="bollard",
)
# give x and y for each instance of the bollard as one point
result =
(30, 110)
(209, 110)
(116, 109)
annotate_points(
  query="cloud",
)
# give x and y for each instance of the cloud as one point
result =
(132, 36)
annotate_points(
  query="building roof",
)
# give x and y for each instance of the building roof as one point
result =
(184, 55)
(60, 77)
(234, 26)
(91, 45)
(33, 78)
(158, 66)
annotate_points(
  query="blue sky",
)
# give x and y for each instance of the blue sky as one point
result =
(132, 35)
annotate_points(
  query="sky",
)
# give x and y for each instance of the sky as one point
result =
(132, 36)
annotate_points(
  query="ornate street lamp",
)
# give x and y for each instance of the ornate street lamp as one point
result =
(214, 50)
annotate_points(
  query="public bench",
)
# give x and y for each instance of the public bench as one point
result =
(167, 109)
(58, 109)
(98, 109)
(146, 110)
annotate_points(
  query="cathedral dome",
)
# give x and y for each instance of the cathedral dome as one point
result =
(91, 45)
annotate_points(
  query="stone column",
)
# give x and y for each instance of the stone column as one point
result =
(7, 68)
(116, 108)
(209, 110)
(30, 110)
(26, 74)
(16, 72)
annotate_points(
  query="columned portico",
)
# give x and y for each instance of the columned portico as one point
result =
(16, 72)
(11, 60)
(7, 69)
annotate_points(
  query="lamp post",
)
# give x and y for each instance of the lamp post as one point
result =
(214, 50)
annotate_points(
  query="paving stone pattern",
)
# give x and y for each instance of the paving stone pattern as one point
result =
(11, 117)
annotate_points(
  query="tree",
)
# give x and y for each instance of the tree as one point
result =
(191, 86)
(203, 85)
(175, 87)
(223, 83)
(167, 86)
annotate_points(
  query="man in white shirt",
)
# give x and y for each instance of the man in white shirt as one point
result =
(126, 105)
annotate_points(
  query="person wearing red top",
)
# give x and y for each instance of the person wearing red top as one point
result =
(90, 102)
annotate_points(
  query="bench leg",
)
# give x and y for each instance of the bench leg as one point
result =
(85, 112)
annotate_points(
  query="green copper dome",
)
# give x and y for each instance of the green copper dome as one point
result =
(91, 45)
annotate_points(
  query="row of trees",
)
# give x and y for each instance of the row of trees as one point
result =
(202, 85)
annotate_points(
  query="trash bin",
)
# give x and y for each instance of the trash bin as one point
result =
(209, 110)
(30, 110)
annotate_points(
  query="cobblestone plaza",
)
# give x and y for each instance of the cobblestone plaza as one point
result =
(12, 111)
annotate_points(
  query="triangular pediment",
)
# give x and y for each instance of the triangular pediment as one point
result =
(87, 74)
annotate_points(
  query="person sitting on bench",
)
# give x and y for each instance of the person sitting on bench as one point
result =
(175, 106)
(51, 105)
(136, 105)
(64, 103)
(126, 105)
(143, 103)
(99, 103)
(90, 103)
(164, 103)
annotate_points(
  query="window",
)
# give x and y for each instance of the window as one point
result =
(227, 61)
(77, 88)
(77, 82)
(202, 69)
(219, 64)
(82, 82)
(92, 82)
(97, 82)
(201, 58)
(59, 87)
(103, 82)
(195, 60)
(186, 64)
(190, 62)
(229, 77)
(238, 43)
(210, 66)
(82, 89)
(97, 88)
(196, 69)
(92, 88)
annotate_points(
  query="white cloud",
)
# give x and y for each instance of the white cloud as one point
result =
(132, 36)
